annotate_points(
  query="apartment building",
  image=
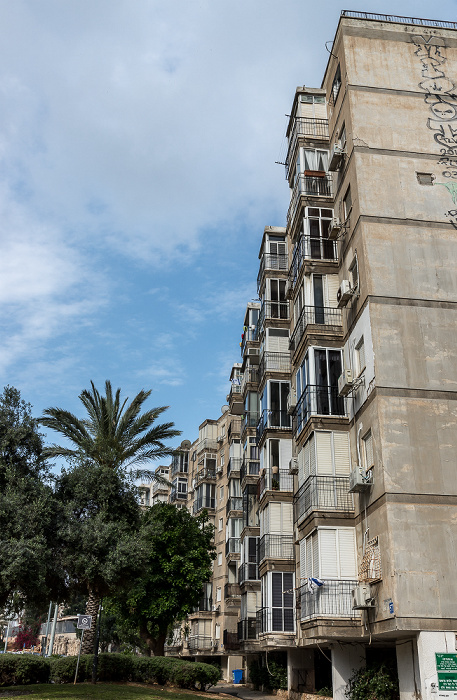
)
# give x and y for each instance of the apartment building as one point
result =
(331, 475)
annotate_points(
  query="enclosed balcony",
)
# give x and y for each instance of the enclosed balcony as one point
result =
(249, 467)
(233, 468)
(230, 640)
(250, 376)
(180, 463)
(177, 496)
(275, 620)
(249, 335)
(203, 502)
(333, 599)
(248, 572)
(250, 420)
(275, 262)
(326, 316)
(207, 472)
(319, 401)
(234, 503)
(311, 248)
(232, 590)
(247, 629)
(323, 493)
(276, 480)
(233, 546)
(275, 362)
(273, 420)
(305, 127)
(200, 642)
(310, 186)
(276, 547)
(274, 310)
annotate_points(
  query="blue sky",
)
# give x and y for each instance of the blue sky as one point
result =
(138, 143)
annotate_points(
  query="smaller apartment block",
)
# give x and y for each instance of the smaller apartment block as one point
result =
(331, 475)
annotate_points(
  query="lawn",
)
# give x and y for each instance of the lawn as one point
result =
(87, 691)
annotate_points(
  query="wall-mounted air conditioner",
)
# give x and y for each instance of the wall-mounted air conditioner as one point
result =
(362, 598)
(334, 229)
(359, 480)
(220, 438)
(336, 158)
(345, 382)
(293, 465)
(344, 293)
(291, 401)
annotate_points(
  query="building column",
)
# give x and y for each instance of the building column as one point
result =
(408, 670)
(300, 670)
(428, 644)
(345, 659)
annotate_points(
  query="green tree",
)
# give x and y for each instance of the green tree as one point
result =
(28, 519)
(115, 436)
(177, 554)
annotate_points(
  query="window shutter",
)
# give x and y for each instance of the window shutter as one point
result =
(217, 631)
(342, 455)
(324, 453)
(301, 466)
(315, 551)
(368, 448)
(331, 291)
(328, 552)
(306, 465)
(346, 547)
(252, 602)
(287, 518)
(312, 455)
(309, 557)
(275, 518)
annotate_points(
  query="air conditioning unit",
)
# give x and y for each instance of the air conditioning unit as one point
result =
(293, 465)
(291, 401)
(253, 351)
(344, 293)
(362, 598)
(220, 438)
(334, 229)
(359, 480)
(345, 382)
(289, 289)
(216, 608)
(336, 158)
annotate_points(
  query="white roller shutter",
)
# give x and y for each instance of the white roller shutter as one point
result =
(301, 466)
(312, 455)
(328, 554)
(287, 518)
(324, 454)
(332, 285)
(306, 466)
(347, 555)
(252, 602)
(342, 454)
(315, 549)
(303, 560)
(274, 525)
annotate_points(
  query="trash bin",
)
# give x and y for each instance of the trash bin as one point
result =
(237, 675)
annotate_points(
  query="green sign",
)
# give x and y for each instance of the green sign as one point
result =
(446, 665)
(447, 681)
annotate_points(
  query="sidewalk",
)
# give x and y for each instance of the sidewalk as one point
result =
(240, 691)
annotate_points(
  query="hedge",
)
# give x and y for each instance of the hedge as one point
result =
(22, 669)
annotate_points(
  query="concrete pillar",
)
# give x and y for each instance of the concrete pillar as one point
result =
(408, 670)
(428, 644)
(234, 661)
(344, 660)
(300, 669)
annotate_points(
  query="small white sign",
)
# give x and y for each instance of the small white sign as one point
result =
(84, 622)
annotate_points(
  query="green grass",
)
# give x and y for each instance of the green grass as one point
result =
(87, 691)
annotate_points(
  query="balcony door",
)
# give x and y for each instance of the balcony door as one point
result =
(279, 392)
(318, 221)
(277, 299)
(327, 369)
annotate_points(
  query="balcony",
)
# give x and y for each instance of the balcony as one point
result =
(333, 599)
(274, 262)
(276, 547)
(308, 248)
(326, 316)
(234, 503)
(250, 467)
(202, 502)
(177, 496)
(234, 428)
(273, 420)
(248, 572)
(250, 420)
(250, 376)
(247, 629)
(232, 546)
(206, 474)
(180, 463)
(275, 620)
(250, 335)
(274, 310)
(230, 641)
(281, 480)
(233, 467)
(324, 493)
(207, 444)
(232, 590)
(319, 401)
(308, 186)
(275, 362)
(199, 642)
(305, 127)
(205, 604)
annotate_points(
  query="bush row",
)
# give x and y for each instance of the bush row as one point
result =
(23, 669)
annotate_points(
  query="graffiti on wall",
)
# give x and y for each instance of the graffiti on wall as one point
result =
(440, 94)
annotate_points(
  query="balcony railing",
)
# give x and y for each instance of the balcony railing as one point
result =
(232, 590)
(177, 496)
(275, 620)
(233, 546)
(207, 444)
(234, 428)
(250, 376)
(308, 186)
(270, 261)
(278, 481)
(234, 503)
(328, 493)
(199, 642)
(247, 629)
(273, 420)
(249, 336)
(248, 572)
(398, 19)
(250, 467)
(230, 640)
(274, 362)
(276, 547)
(206, 474)
(202, 502)
(233, 467)
(315, 315)
(318, 401)
(274, 310)
(333, 599)
(305, 126)
(309, 248)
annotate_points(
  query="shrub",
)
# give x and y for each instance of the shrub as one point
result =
(115, 667)
(63, 668)
(372, 683)
(23, 669)
(26, 637)
(274, 677)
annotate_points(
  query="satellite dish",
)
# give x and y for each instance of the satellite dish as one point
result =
(224, 408)
(186, 444)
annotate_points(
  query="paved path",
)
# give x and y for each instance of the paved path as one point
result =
(241, 691)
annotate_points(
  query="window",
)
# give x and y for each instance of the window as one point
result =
(367, 442)
(218, 595)
(342, 137)
(347, 203)
(360, 356)
(336, 84)
(221, 523)
(354, 273)
(278, 590)
(325, 454)
(221, 493)
(217, 631)
(315, 161)
(329, 553)
(425, 178)
(219, 559)
(316, 225)
(222, 459)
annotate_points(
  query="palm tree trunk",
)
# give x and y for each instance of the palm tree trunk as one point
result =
(93, 603)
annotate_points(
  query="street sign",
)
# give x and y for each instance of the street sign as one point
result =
(446, 666)
(84, 622)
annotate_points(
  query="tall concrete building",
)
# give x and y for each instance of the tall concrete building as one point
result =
(331, 477)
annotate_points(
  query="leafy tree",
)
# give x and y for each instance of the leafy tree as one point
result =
(114, 436)
(177, 555)
(373, 682)
(28, 519)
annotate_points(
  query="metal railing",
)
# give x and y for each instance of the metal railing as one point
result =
(315, 315)
(177, 496)
(274, 362)
(305, 126)
(275, 310)
(248, 336)
(232, 590)
(230, 640)
(205, 474)
(329, 493)
(399, 19)
(235, 387)
(333, 599)
(250, 376)
(247, 629)
(310, 248)
(275, 620)
(207, 444)
(318, 401)
(248, 572)
(276, 547)
(308, 186)
(234, 503)
(203, 502)
(272, 261)
(250, 467)
(199, 642)
(233, 546)
(279, 481)
(274, 420)
(233, 467)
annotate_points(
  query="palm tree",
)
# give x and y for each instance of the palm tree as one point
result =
(114, 435)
